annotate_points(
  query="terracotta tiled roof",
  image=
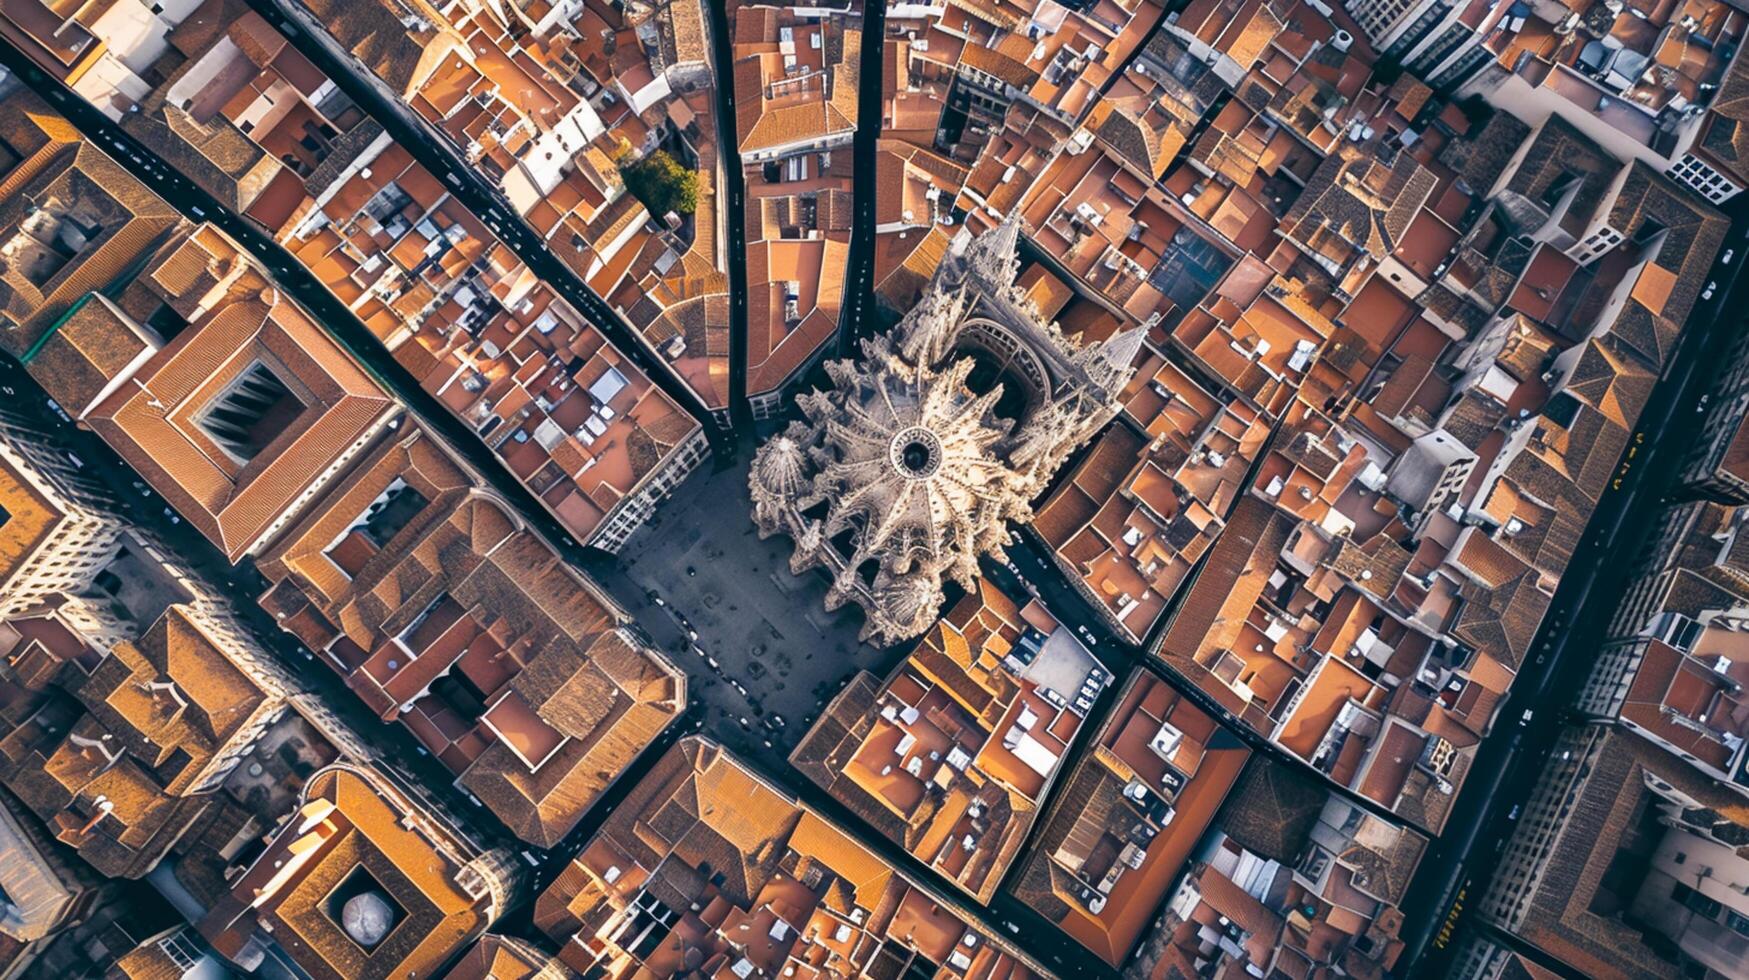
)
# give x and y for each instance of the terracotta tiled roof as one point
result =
(1357, 200)
(1725, 136)
(1691, 234)
(95, 343)
(363, 825)
(1237, 570)
(390, 40)
(722, 847)
(33, 516)
(1482, 157)
(611, 700)
(1472, 417)
(153, 423)
(993, 62)
(1558, 156)
(1611, 382)
(167, 705)
(1384, 856)
(602, 696)
(60, 180)
(1272, 810)
(684, 30)
(1502, 620)
(1609, 793)
(497, 957)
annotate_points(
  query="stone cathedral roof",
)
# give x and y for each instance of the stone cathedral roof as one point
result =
(916, 467)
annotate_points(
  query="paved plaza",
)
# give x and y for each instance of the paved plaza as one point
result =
(767, 630)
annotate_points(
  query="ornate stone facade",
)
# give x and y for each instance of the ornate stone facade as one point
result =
(912, 466)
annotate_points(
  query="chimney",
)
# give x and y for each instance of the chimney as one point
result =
(103, 807)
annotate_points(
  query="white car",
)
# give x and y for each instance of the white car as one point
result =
(1707, 293)
(1730, 253)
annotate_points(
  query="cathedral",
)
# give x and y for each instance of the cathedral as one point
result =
(914, 464)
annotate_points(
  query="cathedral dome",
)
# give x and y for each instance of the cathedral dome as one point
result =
(911, 601)
(918, 473)
(367, 918)
(778, 467)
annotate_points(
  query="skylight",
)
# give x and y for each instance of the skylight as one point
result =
(249, 413)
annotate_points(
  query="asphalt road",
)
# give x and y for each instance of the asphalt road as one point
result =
(856, 318)
(143, 508)
(295, 281)
(1507, 763)
(1031, 568)
(1006, 916)
(734, 191)
(437, 153)
(197, 205)
(1458, 867)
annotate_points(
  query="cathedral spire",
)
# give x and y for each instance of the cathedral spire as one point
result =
(993, 257)
(918, 462)
(1108, 363)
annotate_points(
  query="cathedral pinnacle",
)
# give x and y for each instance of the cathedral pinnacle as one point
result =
(911, 467)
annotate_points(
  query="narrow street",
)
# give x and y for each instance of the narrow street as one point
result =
(734, 191)
(1457, 869)
(289, 274)
(1031, 570)
(241, 585)
(1005, 917)
(856, 317)
(438, 154)
(197, 205)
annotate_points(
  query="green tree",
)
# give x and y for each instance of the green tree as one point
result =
(662, 184)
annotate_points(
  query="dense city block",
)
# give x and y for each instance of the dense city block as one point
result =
(925, 490)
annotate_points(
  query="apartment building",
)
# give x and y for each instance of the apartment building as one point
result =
(506, 665)
(707, 867)
(953, 753)
(1129, 818)
(1624, 863)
